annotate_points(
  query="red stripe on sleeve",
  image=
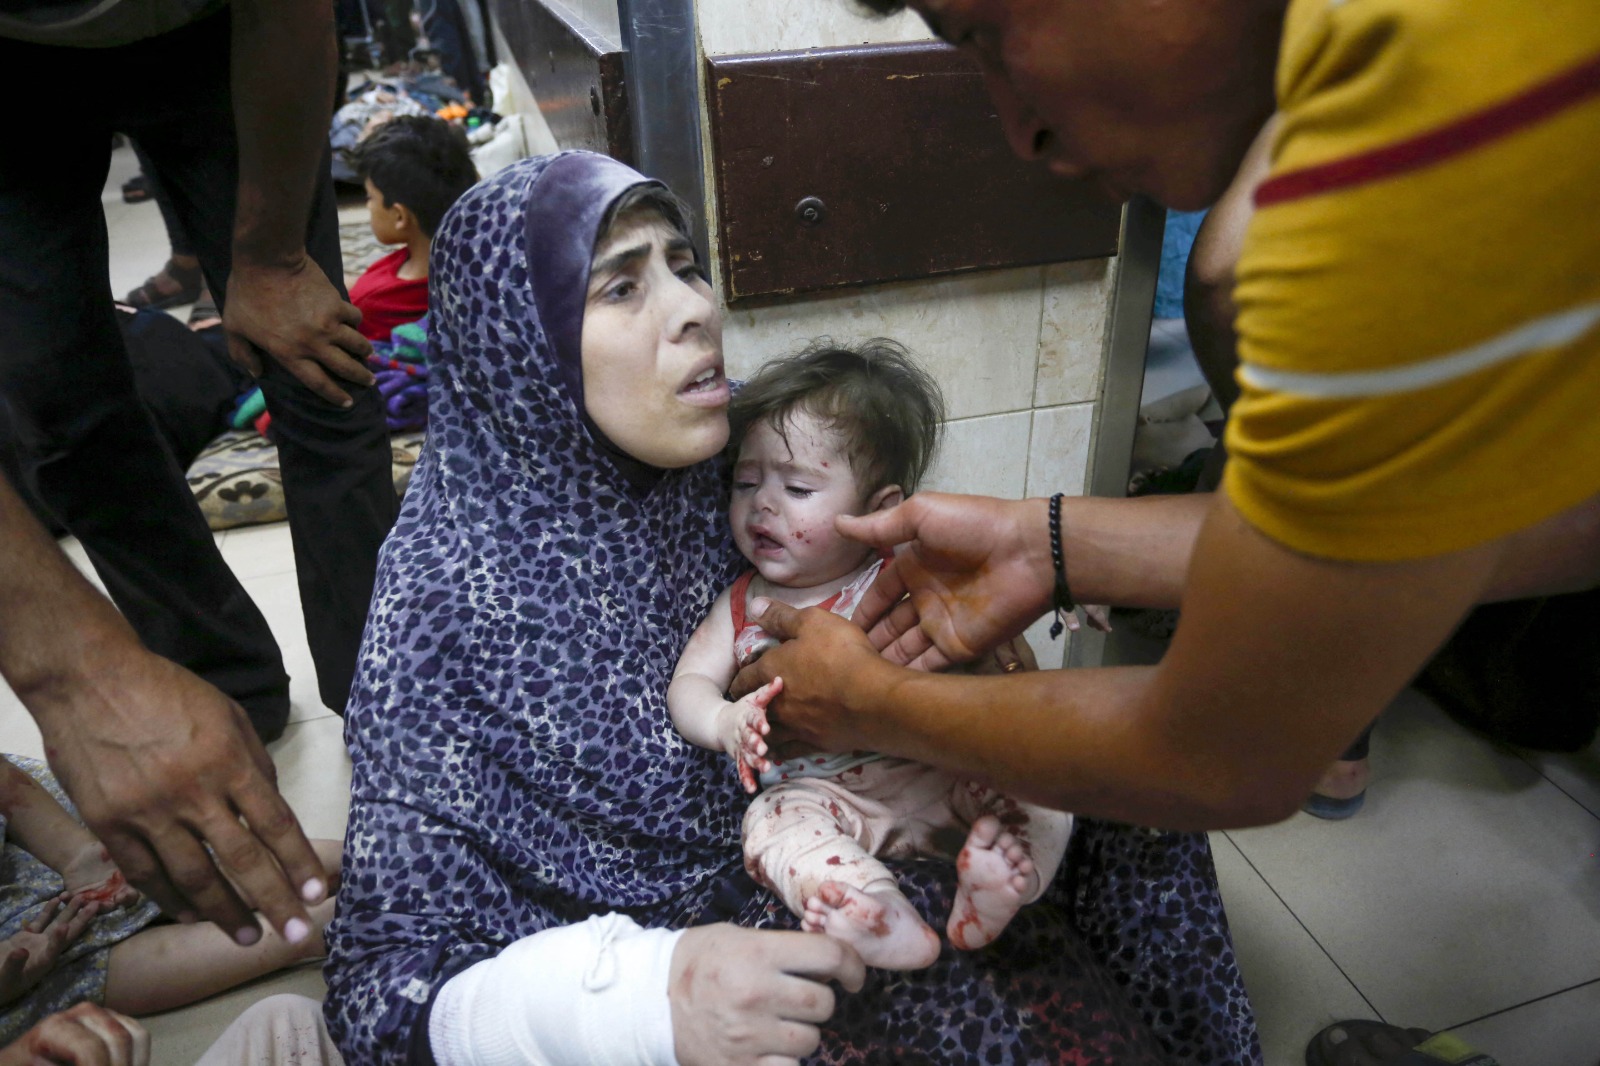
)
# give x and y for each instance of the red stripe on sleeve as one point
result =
(1498, 120)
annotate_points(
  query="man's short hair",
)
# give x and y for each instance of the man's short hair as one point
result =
(419, 162)
(887, 409)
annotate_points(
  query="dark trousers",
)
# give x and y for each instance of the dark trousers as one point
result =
(95, 455)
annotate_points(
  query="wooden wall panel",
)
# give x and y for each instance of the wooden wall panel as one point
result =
(850, 166)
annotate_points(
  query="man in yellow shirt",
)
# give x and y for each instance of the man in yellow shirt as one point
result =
(1419, 324)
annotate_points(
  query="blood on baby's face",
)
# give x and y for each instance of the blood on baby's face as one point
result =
(788, 486)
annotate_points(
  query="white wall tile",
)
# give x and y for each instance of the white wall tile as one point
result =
(978, 334)
(1072, 331)
(728, 26)
(987, 456)
(1058, 458)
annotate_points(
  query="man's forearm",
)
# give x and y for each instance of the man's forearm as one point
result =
(284, 62)
(1136, 552)
(54, 625)
(1081, 740)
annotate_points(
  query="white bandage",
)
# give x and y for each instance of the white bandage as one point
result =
(589, 994)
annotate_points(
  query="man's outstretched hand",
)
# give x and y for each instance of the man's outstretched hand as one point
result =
(823, 658)
(294, 314)
(974, 572)
(167, 772)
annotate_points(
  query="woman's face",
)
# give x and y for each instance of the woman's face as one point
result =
(652, 346)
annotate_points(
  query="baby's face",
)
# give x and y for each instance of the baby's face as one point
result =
(786, 494)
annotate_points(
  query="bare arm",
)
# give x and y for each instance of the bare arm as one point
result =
(703, 714)
(695, 698)
(977, 571)
(158, 761)
(1279, 662)
(37, 823)
(278, 300)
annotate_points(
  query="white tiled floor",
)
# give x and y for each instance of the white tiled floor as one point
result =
(1465, 895)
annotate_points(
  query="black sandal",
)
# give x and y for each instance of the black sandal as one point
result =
(189, 280)
(1351, 1043)
(136, 190)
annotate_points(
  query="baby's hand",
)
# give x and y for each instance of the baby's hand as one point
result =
(744, 731)
(92, 875)
(30, 953)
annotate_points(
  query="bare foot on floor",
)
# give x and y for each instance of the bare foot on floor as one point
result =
(1344, 779)
(883, 926)
(994, 874)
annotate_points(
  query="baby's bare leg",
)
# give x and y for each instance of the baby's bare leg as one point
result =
(801, 841)
(170, 966)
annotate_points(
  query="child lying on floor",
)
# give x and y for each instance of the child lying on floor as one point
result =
(827, 432)
(72, 929)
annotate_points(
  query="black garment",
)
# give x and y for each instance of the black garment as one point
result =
(447, 32)
(96, 456)
(184, 379)
(1524, 672)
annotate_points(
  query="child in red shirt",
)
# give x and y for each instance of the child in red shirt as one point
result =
(415, 166)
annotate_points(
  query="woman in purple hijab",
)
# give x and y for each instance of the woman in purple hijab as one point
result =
(529, 836)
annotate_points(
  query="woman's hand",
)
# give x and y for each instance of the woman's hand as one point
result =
(32, 951)
(743, 728)
(975, 571)
(754, 997)
(86, 1035)
(91, 875)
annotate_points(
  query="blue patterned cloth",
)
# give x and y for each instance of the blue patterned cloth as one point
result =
(515, 767)
(26, 885)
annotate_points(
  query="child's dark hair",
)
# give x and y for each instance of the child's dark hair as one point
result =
(888, 409)
(420, 162)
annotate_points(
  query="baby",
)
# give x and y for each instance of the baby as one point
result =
(827, 432)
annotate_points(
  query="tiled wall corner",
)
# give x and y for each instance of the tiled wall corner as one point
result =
(1072, 331)
(728, 26)
(1058, 455)
(978, 334)
(983, 456)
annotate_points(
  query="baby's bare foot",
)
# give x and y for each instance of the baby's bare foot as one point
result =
(883, 926)
(994, 874)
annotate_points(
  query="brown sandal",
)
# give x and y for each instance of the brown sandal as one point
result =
(153, 294)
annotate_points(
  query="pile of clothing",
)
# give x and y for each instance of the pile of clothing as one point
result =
(401, 366)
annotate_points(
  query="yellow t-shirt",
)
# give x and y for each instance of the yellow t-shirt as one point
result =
(1419, 290)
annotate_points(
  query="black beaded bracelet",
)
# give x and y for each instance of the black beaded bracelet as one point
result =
(1061, 599)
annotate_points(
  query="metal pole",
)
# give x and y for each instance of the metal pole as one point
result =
(1139, 261)
(663, 79)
